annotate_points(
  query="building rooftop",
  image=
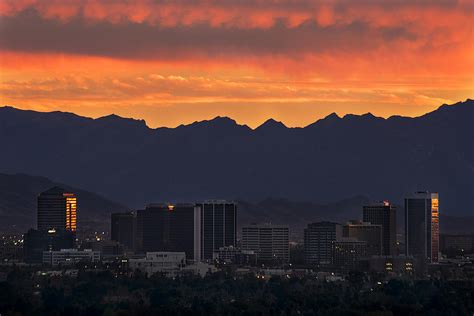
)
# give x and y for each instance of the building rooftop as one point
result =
(56, 190)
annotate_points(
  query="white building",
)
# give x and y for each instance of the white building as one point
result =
(70, 256)
(270, 242)
(169, 263)
(200, 268)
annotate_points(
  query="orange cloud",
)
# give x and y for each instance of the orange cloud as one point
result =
(173, 62)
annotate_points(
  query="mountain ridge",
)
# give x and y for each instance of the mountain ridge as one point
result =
(222, 120)
(324, 161)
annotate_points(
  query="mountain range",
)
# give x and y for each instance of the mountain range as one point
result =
(329, 160)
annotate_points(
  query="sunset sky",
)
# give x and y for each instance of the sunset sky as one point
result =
(174, 62)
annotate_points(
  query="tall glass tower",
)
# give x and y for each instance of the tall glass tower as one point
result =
(57, 210)
(422, 226)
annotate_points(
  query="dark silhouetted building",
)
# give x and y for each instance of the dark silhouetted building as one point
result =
(270, 242)
(37, 241)
(57, 210)
(123, 228)
(138, 242)
(456, 245)
(218, 226)
(422, 226)
(384, 214)
(318, 242)
(171, 228)
(363, 231)
(391, 265)
(348, 253)
(235, 255)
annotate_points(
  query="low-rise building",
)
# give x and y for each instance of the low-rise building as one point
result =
(168, 263)
(392, 264)
(347, 253)
(456, 245)
(200, 268)
(70, 256)
(235, 255)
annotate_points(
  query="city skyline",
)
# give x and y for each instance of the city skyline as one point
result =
(256, 157)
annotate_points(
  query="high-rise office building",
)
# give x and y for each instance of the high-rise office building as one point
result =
(57, 210)
(318, 242)
(123, 228)
(384, 214)
(218, 226)
(138, 242)
(363, 231)
(174, 228)
(422, 226)
(270, 242)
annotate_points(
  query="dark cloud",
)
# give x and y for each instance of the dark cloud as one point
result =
(29, 32)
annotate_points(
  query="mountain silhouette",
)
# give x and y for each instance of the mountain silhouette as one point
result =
(331, 159)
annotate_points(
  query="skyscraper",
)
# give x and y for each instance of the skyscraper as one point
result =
(174, 228)
(318, 242)
(123, 229)
(367, 232)
(270, 242)
(57, 210)
(218, 226)
(422, 226)
(384, 214)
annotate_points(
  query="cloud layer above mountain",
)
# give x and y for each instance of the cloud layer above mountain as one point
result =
(179, 61)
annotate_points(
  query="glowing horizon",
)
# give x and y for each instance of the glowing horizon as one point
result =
(174, 63)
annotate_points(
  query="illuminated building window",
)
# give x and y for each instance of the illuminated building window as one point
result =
(71, 208)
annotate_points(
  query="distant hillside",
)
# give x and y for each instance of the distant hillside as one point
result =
(298, 214)
(18, 199)
(328, 160)
(18, 194)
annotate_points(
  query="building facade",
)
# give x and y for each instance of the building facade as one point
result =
(384, 214)
(70, 256)
(348, 253)
(318, 242)
(35, 242)
(171, 228)
(168, 263)
(453, 245)
(270, 242)
(218, 226)
(233, 255)
(57, 209)
(363, 231)
(123, 229)
(422, 226)
(392, 265)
